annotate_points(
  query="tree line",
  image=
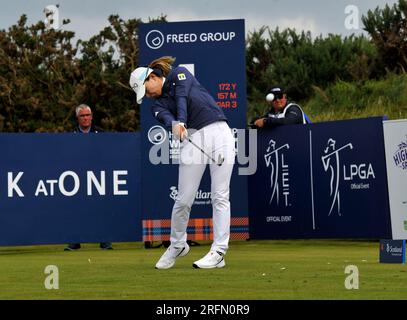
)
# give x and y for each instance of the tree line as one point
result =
(43, 75)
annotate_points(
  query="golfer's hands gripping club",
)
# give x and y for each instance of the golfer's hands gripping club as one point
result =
(179, 131)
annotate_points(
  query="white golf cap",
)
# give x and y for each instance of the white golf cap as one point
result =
(137, 79)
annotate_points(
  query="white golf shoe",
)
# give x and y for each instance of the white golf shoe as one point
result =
(212, 260)
(167, 260)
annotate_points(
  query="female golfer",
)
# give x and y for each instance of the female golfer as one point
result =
(181, 103)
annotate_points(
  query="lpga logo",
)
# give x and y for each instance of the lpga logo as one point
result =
(400, 156)
(272, 158)
(331, 162)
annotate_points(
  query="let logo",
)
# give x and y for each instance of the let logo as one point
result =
(182, 76)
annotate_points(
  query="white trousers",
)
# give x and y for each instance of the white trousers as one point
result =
(217, 140)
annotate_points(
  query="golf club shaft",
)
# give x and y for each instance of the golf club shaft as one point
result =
(198, 147)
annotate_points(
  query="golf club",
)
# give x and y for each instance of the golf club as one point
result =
(220, 158)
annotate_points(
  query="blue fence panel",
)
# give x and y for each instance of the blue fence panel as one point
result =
(324, 180)
(62, 188)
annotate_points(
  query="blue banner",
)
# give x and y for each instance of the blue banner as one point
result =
(214, 51)
(69, 188)
(324, 180)
(393, 251)
(279, 191)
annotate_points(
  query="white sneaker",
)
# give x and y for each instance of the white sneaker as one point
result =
(167, 260)
(212, 260)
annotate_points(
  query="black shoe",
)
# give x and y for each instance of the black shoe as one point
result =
(106, 246)
(72, 247)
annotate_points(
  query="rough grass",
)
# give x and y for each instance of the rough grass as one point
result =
(301, 269)
(345, 100)
(351, 100)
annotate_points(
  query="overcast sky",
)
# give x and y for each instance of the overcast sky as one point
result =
(88, 17)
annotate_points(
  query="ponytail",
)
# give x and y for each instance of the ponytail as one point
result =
(164, 64)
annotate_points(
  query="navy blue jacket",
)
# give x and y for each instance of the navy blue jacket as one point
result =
(185, 100)
(292, 114)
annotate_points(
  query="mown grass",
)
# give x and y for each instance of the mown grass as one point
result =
(301, 269)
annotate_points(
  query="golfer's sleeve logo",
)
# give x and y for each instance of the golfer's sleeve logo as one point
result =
(182, 76)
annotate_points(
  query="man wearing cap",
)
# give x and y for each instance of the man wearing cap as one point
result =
(281, 113)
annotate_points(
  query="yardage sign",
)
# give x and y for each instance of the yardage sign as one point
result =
(214, 51)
